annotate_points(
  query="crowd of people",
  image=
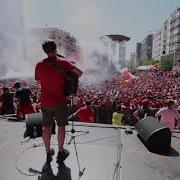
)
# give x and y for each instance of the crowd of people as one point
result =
(114, 95)
(152, 88)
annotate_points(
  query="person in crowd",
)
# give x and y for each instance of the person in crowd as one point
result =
(117, 117)
(143, 111)
(7, 101)
(84, 114)
(169, 116)
(50, 73)
(24, 101)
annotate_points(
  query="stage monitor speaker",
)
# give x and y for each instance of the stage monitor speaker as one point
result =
(34, 125)
(154, 134)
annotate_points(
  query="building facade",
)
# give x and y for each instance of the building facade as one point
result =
(157, 44)
(133, 58)
(144, 49)
(166, 40)
(138, 53)
(174, 44)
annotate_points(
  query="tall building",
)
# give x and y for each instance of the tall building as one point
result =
(115, 46)
(138, 53)
(165, 37)
(166, 40)
(133, 58)
(144, 49)
(174, 44)
(161, 39)
(157, 44)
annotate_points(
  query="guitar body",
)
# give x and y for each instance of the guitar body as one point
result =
(70, 83)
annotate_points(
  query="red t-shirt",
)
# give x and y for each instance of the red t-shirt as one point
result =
(80, 102)
(51, 81)
(85, 114)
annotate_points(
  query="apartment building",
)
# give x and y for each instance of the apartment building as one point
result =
(144, 49)
(161, 39)
(133, 58)
(157, 44)
(166, 37)
(174, 43)
(66, 44)
(165, 40)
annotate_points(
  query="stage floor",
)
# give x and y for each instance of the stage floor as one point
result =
(105, 152)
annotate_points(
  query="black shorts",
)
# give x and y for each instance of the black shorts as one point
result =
(57, 112)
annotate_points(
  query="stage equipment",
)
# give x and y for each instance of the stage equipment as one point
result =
(154, 134)
(34, 125)
(72, 139)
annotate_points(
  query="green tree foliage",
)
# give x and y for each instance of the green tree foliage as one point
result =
(166, 62)
(150, 62)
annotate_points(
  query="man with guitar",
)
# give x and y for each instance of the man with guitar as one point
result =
(51, 73)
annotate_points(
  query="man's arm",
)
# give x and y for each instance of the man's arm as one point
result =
(135, 114)
(77, 71)
(178, 120)
(71, 67)
(158, 115)
(72, 116)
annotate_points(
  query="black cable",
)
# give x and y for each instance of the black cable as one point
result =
(17, 158)
(86, 142)
(106, 127)
(76, 154)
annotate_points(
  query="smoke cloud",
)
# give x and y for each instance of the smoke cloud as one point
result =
(12, 39)
(103, 61)
(20, 48)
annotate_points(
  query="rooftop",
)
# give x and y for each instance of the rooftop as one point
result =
(117, 37)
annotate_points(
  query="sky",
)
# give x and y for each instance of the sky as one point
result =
(88, 20)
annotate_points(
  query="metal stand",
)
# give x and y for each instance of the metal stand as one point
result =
(72, 139)
(73, 131)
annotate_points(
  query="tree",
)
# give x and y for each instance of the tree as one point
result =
(151, 62)
(166, 62)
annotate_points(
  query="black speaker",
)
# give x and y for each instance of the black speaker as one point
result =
(34, 125)
(154, 134)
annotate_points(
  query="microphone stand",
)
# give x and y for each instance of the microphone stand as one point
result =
(72, 139)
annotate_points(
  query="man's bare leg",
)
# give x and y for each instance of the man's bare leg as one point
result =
(61, 138)
(47, 138)
(63, 153)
